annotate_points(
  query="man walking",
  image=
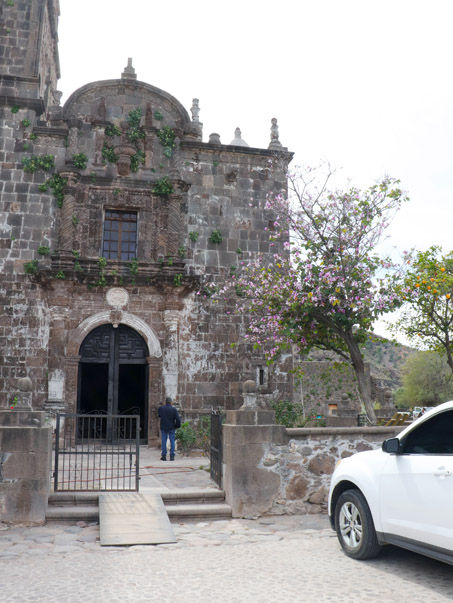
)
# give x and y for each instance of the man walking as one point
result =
(169, 423)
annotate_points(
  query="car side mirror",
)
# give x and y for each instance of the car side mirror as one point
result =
(392, 446)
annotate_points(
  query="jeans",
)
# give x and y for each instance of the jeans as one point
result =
(171, 435)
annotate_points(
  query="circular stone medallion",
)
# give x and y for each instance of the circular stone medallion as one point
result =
(117, 298)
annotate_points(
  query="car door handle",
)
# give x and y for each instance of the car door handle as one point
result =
(442, 472)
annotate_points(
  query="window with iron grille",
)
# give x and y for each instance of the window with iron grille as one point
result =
(120, 235)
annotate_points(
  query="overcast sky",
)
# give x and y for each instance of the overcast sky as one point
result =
(364, 84)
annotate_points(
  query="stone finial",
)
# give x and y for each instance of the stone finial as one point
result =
(129, 71)
(24, 384)
(275, 143)
(195, 110)
(214, 138)
(237, 140)
(249, 395)
(249, 386)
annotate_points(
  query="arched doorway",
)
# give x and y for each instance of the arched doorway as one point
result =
(113, 374)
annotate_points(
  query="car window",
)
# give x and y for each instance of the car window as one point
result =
(434, 436)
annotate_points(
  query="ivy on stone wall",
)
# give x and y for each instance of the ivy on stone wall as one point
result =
(57, 185)
(80, 160)
(135, 134)
(163, 187)
(167, 138)
(38, 162)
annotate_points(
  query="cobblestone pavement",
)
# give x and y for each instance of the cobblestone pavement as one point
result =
(269, 560)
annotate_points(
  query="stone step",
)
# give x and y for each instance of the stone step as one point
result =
(182, 496)
(198, 512)
(181, 505)
(71, 514)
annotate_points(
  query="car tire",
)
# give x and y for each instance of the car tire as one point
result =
(355, 527)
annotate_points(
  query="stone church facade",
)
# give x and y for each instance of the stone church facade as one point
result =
(116, 218)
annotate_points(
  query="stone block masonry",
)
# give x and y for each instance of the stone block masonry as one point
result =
(116, 220)
(25, 466)
(304, 464)
(269, 469)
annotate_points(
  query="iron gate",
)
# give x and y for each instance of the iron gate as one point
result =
(97, 453)
(216, 447)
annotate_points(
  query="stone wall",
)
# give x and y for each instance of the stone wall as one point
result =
(25, 465)
(305, 463)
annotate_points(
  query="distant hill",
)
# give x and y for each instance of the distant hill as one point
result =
(386, 359)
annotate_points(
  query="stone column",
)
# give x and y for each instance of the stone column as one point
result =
(247, 433)
(71, 373)
(171, 353)
(174, 226)
(67, 234)
(56, 367)
(155, 398)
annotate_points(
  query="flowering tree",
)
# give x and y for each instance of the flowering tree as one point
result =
(427, 289)
(323, 286)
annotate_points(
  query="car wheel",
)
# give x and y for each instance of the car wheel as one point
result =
(355, 527)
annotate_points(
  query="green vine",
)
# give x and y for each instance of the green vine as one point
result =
(133, 269)
(167, 139)
(15, 109)
(108, 153)
(38, 162)
(43, 250)
(158, 115)
(163, 187)
(57, 185)
(26, 123)
(102, 263)
(193, 236)
(136, 160)
(80, 160)
(135, 132)
(111, 130)
(182, 252)
(216, 237)
(77, 266)
(31, 267)
(60, 275)
(177, 281)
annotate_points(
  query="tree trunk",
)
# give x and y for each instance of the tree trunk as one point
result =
(363, 382)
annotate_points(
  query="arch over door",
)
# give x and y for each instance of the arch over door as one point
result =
(113, 373)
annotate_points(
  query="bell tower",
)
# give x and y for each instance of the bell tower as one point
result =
(29, 64)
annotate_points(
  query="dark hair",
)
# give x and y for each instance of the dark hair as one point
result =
(168, 400)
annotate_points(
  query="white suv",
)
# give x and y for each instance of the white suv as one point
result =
(401, 494)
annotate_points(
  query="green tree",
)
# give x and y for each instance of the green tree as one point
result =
(427, 380)
(427, 289)
(327, 286)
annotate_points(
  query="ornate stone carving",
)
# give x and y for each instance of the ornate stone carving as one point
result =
(116, 317)
(56, 97)
(195, 110)
(275, 143)
(117, 297)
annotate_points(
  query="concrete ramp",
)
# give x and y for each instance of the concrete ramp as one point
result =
(127, 518)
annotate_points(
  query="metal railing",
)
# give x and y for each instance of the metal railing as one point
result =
(216, 447)
(97, 453)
